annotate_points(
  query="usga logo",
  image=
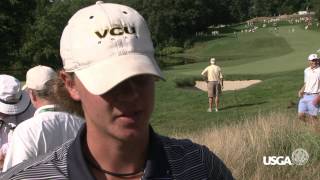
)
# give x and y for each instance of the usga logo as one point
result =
(298, 157)
(277, 160)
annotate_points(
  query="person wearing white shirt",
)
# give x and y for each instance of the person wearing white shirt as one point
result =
(310, 90)
(214, 79)
(15, 107)
(48, 128)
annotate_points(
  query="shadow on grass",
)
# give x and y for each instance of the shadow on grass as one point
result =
(242, 105)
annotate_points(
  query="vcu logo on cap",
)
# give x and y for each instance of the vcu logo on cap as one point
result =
(116, 31)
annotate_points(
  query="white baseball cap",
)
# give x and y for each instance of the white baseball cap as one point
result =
(37, 77)
(212, 60)
(313, 57)
(105, 44)
(13, 100)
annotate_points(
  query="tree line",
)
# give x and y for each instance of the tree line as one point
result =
(30, 30)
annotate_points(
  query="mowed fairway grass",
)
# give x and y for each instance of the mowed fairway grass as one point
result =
(276, 58)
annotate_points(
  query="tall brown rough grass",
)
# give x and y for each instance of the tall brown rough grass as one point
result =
(243, 146)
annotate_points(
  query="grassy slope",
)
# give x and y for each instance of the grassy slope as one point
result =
(300, 42)
(276, 58)
(242, 146)
(275, 52)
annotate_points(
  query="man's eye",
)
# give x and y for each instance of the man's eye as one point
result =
(141, 79)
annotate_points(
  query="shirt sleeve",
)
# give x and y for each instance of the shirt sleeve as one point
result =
(204, 72)
(304, 76)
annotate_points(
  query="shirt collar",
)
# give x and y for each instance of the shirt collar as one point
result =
(44, 108)
(156, 166)
(77, 167)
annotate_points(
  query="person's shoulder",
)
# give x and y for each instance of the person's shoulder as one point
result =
(52, 165)
(67, 115)
(174, 142)
(58, 117)
(191, 154)
(307, 68)
(35, 124)
(51, 114)
(60, 123)
(185, 146)
(318, 69)
(26, 125)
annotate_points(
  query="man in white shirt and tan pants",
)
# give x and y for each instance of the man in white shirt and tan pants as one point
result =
(215, 83)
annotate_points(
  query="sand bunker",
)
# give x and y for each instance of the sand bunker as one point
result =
(228, 85)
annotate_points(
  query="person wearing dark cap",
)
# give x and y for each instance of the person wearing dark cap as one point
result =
(109, 67)
(14, 104)
(49, 128)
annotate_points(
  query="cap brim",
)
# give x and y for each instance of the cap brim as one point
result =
(99, 78)
(13, 109)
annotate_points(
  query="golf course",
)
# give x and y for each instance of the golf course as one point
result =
(260, 120)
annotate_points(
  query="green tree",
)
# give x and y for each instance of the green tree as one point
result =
(316, 7)
(260, 8)
(239, 10)
(30, 30)
(41, 45)
(292, 6)
(15, 15)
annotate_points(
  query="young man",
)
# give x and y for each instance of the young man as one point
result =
(310, 90)
(109, 67)
(14, 108)
(214, 79)
(48, 128)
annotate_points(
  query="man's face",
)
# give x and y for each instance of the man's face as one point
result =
(313, 63)
(123, 112)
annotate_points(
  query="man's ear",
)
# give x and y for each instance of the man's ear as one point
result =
(32, 96)
(70, 85)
